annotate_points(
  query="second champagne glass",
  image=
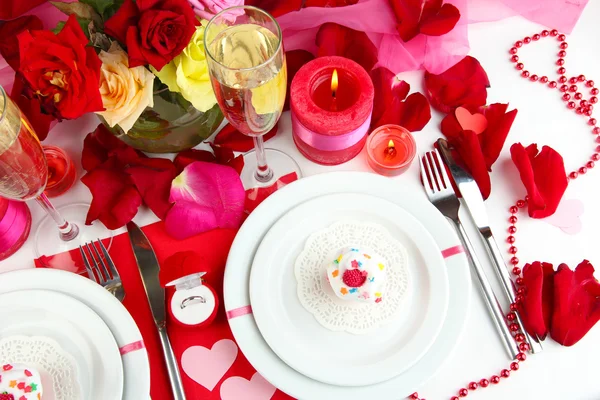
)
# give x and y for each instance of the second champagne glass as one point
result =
(247, 67)
(24, 175)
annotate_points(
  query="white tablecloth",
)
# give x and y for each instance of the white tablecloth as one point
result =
(556, 373)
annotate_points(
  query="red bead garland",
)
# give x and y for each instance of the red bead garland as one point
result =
(581, 107)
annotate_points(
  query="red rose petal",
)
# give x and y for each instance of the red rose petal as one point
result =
(226, 156)
(115, 199)
(408, 13)
(230, 138)
(97, 145)
(440, 23)
(152, 177)
(276, 8)
(294, 60)
(9, 46)
(337, 40)
(329, 3)
(499, 123)
(464, 85)
(387, 90)
(186, 157)
(536, 308)
(390, 106)
(576, 303)
(543, 175)
(414, 113)
(468, 148)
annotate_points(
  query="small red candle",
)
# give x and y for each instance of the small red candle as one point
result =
(390, 150)
(331, 99)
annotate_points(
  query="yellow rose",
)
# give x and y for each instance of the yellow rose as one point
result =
(188, 73)
(126, 92)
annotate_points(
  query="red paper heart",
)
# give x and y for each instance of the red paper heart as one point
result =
(471, 122)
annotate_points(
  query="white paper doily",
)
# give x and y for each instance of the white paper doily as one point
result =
(316, 295)
(52, 362)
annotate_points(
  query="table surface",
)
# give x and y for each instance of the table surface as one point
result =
(557, 372)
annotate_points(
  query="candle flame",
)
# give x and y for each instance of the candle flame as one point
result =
(390, 143)
(334, 82)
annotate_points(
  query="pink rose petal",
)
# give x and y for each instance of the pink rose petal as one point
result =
(205, 196)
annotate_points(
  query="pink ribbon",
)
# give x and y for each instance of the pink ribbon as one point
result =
(452, 251)
(238, 312)
(329, 142)
(128, 348)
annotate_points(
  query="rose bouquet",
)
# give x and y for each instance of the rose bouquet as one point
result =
(140, 65)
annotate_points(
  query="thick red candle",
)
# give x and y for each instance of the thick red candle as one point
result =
(330, 122)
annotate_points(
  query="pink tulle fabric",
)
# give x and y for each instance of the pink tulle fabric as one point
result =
(433, 53)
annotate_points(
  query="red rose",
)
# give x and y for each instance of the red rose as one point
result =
(154, 31)
(61, 71)
(9, 46)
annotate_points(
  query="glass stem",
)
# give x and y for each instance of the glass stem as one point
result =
(263, 173)
(66, 230)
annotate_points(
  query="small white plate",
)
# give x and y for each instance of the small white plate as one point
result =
(340, 358)
(136, 368)
(410, 196)
(76, 328)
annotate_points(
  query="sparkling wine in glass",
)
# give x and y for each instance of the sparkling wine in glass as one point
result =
(248, 73)
(24, 175)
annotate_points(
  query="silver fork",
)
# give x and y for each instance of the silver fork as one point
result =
(98, 268)
(441, 194)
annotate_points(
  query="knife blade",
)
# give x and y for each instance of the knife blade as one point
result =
(149, 268)
(474, 203)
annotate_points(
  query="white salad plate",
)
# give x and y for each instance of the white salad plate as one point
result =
(341, 358)
(76, 328)
(249, 238)
(135, 365)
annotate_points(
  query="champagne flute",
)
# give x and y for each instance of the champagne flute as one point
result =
(24, 175)
(247, 68)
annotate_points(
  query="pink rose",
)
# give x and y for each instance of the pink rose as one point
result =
(206, 9)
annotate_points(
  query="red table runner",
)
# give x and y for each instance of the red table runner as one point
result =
(213, 368)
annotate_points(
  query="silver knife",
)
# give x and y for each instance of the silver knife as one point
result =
(149, 268)
(472, 198)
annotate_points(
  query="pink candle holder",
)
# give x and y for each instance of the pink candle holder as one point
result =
(330, 121)
(390, 150)
(61, 171)
(15, 225)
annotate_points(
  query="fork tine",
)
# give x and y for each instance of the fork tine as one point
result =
(434, 172)
(86, 262)
(101, 262)
(109, 261)
(425, 177)
(101, 279)
(444, 174)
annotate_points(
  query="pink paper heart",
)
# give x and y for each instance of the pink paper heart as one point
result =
(567, 216)
(257, 388)
(471, 122)
(207, 367)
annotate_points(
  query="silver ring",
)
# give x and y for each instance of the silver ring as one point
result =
(190, 299)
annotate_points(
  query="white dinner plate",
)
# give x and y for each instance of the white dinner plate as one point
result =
(237, 275)
(322, 354)
(76, 328)
(136, 368)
